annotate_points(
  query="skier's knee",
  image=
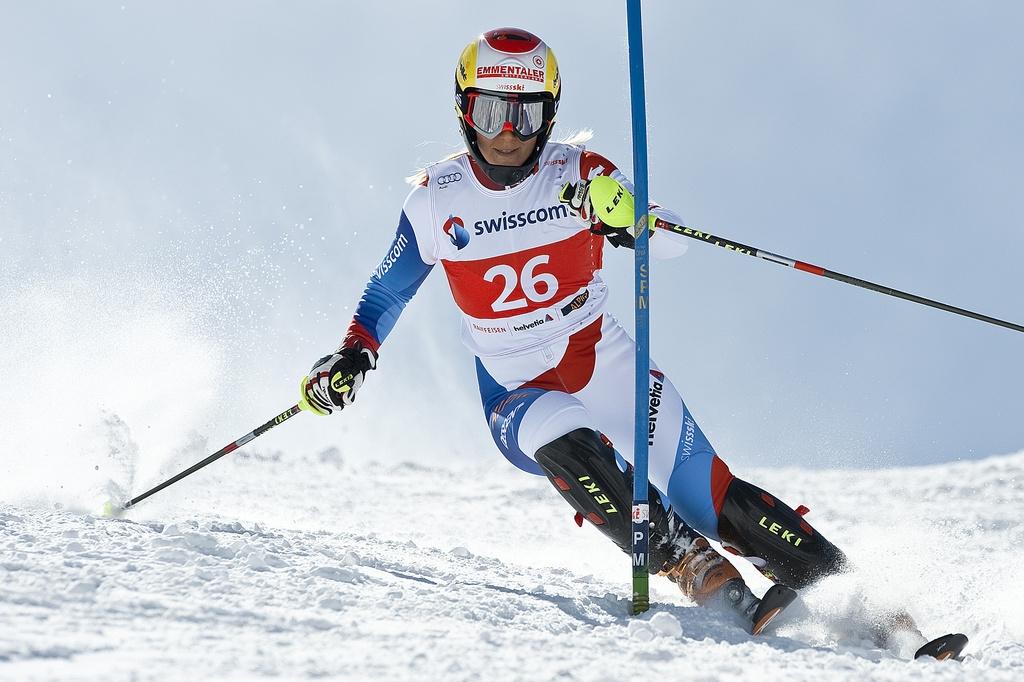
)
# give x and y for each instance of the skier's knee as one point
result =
(756, 524)
(581, 465)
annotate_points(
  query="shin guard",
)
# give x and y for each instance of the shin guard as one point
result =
(581, 465)
(753, 523)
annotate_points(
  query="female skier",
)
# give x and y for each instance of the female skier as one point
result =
(519, 227)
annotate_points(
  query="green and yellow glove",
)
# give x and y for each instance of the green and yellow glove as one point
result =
(606, 204)
(612, 202)
(334, 380)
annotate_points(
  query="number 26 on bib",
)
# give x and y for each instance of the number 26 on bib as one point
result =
(534, 284)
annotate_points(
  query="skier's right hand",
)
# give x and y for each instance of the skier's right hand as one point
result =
(334, 380)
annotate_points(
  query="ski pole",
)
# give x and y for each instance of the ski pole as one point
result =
(816, 270)
(259, 431)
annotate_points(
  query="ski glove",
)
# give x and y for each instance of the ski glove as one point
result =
(577, 198)
(334, 380)
(605, 204)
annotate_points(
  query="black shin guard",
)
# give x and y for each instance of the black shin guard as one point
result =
(581, 464)
(757, 524)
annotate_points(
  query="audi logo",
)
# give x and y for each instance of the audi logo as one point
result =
(450, 178)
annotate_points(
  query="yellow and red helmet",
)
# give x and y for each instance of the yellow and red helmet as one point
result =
(507, 79)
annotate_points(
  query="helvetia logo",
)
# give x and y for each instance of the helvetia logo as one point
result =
(526, 326)
(653, 404)
(456, 231)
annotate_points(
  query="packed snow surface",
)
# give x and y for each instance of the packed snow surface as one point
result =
(328, 565)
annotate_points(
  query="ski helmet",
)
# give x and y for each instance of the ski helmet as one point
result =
(507, 79)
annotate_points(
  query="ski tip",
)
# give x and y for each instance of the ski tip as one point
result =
(775, 600)
(943, 648)
(766, 618)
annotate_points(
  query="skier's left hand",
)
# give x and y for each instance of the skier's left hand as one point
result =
(576, 196)
(613, 215)
(334, 380)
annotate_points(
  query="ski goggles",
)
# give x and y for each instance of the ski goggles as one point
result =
(490, 115)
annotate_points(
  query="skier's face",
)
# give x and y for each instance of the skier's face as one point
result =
(506, 149)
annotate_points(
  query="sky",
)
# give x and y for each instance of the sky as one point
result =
(192, 196)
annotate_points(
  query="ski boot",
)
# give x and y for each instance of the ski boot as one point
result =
(706, 577)
(780, 542)
(582, 466)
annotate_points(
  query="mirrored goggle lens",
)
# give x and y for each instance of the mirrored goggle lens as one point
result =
(488, 115)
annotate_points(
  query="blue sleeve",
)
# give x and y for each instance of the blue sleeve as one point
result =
(392, 285)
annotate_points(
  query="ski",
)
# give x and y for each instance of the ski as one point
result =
(893, 624)
(774, 601)
(944, 648)
(757, 613)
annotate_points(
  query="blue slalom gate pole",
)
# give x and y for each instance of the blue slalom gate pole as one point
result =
(641, 507)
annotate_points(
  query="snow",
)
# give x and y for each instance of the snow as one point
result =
(325, 565)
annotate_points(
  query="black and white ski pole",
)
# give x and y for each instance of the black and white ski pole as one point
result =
(259, 431)
(709, 238)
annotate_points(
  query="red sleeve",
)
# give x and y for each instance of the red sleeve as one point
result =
(593, 164)
(357, 333)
